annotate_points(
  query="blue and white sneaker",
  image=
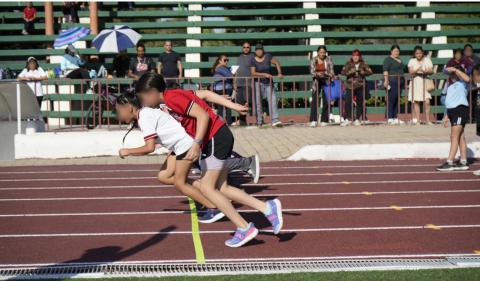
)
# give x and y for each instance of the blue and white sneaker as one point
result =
(275, 216)
(242, 237)
(210, 216)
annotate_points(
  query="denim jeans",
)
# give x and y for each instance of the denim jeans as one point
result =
(265, 91)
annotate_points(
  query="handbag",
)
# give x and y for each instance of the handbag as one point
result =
(429, 85)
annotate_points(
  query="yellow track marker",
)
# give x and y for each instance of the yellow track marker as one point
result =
(432, 226)
(477, 252)
(197, 242)
(327, 174)
(345, 182)
(367, 193)
(396, 208)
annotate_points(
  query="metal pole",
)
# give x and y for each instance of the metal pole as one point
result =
(19, 110)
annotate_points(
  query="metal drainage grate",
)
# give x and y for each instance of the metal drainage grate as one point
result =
(172, 269)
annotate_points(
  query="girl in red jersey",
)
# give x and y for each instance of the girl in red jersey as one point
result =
(213, 144)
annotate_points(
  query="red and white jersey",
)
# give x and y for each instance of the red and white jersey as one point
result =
(159, 125)
(180, 101)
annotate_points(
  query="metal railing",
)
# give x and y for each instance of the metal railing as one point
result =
(86, 104)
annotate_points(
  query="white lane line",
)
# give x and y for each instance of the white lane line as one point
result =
(382, 256)
(250, 184)
(255, 195)
(263, 167)
(240, 211)
(263, 175)
(375, 228)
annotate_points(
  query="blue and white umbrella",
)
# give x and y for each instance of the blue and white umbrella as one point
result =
(119, 38)
(70, 36)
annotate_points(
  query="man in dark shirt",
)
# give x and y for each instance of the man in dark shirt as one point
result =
(170, 65)
(140, 64)
(243, 82)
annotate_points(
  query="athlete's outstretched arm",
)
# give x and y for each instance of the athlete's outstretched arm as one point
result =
(220, 100)
(149, 147)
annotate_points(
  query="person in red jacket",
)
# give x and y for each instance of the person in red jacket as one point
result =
(29, 15)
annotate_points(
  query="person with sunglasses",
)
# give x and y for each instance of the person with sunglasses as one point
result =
(223, 85)
(242, 82)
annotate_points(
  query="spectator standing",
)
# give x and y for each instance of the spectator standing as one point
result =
(419, 87)
(476, 102)
(70, 12)
(140, 64)
(321, 68)
(170, 65)
(393, 71)
(29, 16)
(243, 83)
(33, 74)
(223, 85)
(356, 69)
(262, 69)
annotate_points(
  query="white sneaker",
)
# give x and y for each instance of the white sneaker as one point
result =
(277, 124)
(399, 122)
(357, 123)
(313, 124)
(476, 173)
(323, 124)
(346, 123)
(391, 121)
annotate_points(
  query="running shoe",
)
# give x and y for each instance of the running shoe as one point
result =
(446, 167)
(210, 216)
(476, 173)
(242, 237)
(275, 216)
(254, 168)
(461, 167)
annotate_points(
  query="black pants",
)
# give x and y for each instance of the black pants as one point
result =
(79, 73)
(244, 95)
(316, 95)
(349, 97)
(396, 87)
(39, 100)
(226, 113)
(29, 26)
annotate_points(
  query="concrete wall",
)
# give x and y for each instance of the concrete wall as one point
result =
(75, 144)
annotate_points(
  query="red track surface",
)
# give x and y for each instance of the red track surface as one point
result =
(331, 210)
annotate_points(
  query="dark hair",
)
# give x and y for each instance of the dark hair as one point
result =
(322, 47)
(457, 50)
(36, 64)
(129, 97)
(418, 47)
(467, 46)
(140, 44)
(477, 67)
(394, 46)
(149, 81)
(217, 62)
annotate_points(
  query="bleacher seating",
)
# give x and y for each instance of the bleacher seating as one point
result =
(281, 27)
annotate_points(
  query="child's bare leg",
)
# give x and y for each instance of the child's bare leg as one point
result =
(463, 145)
(454, 141)
(182, 168)
(210, 180)
(416, 106)
(242, 197)
(167, 172)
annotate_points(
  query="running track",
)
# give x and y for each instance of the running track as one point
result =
(357, 209)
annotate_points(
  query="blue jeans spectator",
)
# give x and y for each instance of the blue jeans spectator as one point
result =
(394, 93)
(265, 91)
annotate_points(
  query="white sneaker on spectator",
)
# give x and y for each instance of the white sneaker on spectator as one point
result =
(476, 173)
(357, 123)
(313, 124)
(345, 123)
(391, 121)
(277, 124)
(323, 124)
(399, 122)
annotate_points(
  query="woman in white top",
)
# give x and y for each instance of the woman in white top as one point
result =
(34, 74)
(419, 66)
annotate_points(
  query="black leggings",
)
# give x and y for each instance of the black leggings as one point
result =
(349, 97)
(316, 95)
